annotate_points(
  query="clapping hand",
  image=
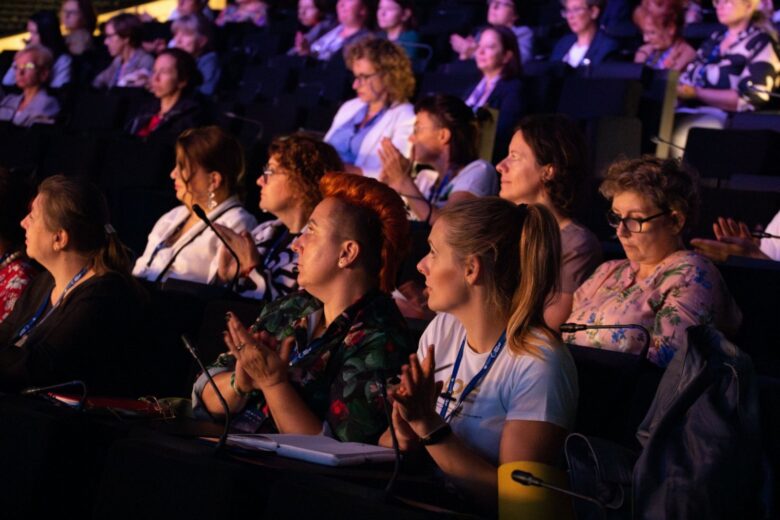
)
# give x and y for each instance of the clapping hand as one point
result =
(396, 168)
(415, 398)
(244, 246)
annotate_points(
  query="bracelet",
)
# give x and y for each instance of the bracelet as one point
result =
(237, 390)
(437, 435)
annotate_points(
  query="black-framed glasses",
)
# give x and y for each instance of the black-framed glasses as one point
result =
(634, 225)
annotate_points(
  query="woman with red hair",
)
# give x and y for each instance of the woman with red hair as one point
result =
(311, 361)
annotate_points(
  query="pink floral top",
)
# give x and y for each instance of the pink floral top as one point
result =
(685, 289)
(15, 275)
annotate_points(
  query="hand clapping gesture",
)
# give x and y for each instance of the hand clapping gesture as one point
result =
(396, 168)
(244, 246)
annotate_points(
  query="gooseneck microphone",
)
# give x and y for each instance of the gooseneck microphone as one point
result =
(34, 390)
(577, 327)
(380, 377)
(529, 479)
(202, 215)
(194, 353)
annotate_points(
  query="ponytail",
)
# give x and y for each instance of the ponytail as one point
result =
(540, 267)
(113, 256)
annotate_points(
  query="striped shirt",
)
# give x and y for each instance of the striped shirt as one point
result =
(277, 274)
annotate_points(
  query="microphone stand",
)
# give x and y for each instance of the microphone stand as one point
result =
(388, 413)
(40, 389)
(194, 353)
(202, 215)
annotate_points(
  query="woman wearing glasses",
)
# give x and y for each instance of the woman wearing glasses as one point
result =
(131, 66)
(32, 66)
(289, 190)
(384, 82)
(587, 44)
(660, 285)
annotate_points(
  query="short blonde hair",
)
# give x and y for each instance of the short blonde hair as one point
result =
(391, 62)
(41, 56)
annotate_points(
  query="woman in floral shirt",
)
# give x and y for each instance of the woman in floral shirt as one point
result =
(312, 360)
(660, 286)
(16, 272)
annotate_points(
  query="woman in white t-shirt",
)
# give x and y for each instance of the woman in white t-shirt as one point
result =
(506, 389)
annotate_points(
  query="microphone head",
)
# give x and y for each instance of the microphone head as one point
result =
(199, 211)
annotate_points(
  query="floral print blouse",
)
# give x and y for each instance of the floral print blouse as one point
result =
(754, 57)
(338, 378)
(685, 289)
(15, 275)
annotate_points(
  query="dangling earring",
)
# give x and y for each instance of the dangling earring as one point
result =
(212, 203)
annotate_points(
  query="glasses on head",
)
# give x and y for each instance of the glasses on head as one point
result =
(573, 10)
(361, 78)
(634, 225)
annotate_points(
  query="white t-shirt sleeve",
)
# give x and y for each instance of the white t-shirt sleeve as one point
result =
(771, 246)
(478, 178)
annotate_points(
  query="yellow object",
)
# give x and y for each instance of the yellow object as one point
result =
(159, 10)
(516, 501)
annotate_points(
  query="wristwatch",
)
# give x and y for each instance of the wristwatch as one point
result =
(437, 435)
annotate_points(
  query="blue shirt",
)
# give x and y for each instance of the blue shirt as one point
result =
(348, 138)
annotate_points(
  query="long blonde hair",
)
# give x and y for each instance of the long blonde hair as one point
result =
(519, 249)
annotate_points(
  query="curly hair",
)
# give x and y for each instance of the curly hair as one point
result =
(557, 141)
(390, 61)
(305, 160)
(667, 183)
(374, 216)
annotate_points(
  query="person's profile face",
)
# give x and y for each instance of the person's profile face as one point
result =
(444, 272)
(318, 248)
(521, 174)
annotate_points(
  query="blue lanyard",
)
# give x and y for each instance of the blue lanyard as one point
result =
(314, 344)
(436, 194)
(274, 248)
(27, 327)
(476, 380)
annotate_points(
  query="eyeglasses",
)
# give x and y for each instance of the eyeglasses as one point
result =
(417, 129)
(573, 10)
(634, 225)
(361, 78)
(268, 171)
(27, 66)
(109, 35)
(499, 3)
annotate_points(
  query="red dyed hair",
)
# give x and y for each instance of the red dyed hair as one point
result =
(376, 218)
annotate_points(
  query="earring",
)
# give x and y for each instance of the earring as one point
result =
(212, 203)
(341, 263)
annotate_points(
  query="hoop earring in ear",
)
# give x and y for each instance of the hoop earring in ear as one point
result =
(212, 203)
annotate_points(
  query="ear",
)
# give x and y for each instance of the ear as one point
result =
(215, 180)
(472, 269)
(407, 13)
(548, 172)
(595, 12)
(508, 56)
(444, 135)
(350, 251)
(678, 221)
(61, 240)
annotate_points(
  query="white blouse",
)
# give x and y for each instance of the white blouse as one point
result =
(193, 256)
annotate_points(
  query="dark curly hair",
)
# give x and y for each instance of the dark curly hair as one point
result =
(668, 183)
(557, 141)
(305, 160)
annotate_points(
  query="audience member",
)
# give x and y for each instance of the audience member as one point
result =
(664, 46)
(546, 165)
(660, 286)
(445, 140)
(500, 87)
(735, 70)
(316, 17)
(733, 238)
(174, 78)
(208, 172)
(587, 44)
(383, 82)
(44, 29)
(16, 271)
(192, 33)
(355, 17)
(511, 393)
(395, 19)
(289, 189)
(131, 66)
(79, 20)
(244, 11)
(309, 364)
(33, 105)
(192, 7)
(505, 13)
(78, 319)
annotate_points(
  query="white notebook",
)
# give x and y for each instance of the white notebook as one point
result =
(318, 449)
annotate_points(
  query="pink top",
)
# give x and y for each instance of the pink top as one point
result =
(685, 289)
(15, 275)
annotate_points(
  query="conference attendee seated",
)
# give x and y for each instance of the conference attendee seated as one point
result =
(191, 7)
(208, 172)
(79, 20)
(244, 11)
(355, 17)
(16, 270)
(44, 29)
(192, 33)
(384, 82)
(500, 87)
(661, 25)
(660, 285)
(735, 70)
(174, 79)
(505, 13)
(311, 361)
(34, 105)
(289, 190)
(131, 66)
(546, 164)
(396, 21)
(587, 44)
(78, 319)
(315, 17)
(445, 141)
(733, 238)
(490, 382)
